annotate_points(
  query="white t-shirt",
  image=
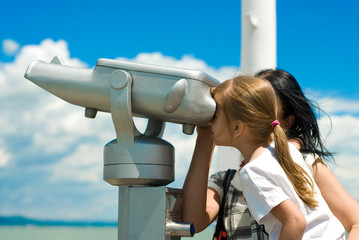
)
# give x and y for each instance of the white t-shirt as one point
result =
(265, 185)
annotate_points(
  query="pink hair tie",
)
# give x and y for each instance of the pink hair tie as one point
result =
(275, 123)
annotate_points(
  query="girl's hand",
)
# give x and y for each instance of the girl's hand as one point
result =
(204, 135)
(204, 131)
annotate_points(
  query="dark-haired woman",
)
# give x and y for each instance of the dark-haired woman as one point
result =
(202, 197)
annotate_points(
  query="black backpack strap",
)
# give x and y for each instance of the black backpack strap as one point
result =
(226, 182)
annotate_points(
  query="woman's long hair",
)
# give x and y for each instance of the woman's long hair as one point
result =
(253, 101)
(305, 126)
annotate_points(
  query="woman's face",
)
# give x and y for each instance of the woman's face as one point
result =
(219, 126)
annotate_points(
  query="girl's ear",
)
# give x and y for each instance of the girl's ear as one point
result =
(238, 128)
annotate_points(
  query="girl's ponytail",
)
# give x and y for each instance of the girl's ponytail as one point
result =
(299, 178)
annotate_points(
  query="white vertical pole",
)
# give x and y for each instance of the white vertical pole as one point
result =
(258, 51)
(259, 35)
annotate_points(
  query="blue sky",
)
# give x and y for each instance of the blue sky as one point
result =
(51, 156)
(317, 38)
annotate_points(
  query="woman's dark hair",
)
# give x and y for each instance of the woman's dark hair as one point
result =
(305, 126)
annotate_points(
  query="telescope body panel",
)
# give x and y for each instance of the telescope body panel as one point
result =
(197, 106)
(159, 70)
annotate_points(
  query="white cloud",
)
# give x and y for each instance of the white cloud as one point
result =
(10, 47)
(85, 164)
(30, 111)
(5, 157)
(184, 145)
(346, 170)
(342, 138)
(57, 125)
(340, 130)
(339, 105)
(12, 81)
(186, 62)
(344, 133)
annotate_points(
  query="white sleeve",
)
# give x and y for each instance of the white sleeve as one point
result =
(261, 193)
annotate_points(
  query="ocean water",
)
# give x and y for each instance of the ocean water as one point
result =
(73, 233)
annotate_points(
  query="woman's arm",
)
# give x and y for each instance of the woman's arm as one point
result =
(292, 219)
(343, 206)
(200, 205)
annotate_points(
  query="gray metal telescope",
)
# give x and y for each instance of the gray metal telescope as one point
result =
(157, 92)
(139, 163)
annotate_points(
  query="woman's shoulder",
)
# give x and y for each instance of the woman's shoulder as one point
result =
(216, 180)
(218, 177)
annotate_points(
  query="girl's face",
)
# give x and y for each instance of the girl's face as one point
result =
(219, 126)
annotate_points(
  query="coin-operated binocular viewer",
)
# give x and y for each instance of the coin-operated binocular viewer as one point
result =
(141, 164)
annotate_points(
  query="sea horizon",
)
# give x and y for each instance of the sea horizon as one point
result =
(20, 227)
(18, 220)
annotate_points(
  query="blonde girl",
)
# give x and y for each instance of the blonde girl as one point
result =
(278, 187)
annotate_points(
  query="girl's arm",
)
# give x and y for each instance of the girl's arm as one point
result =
(200, 205)
(343, 206)
(292, 219)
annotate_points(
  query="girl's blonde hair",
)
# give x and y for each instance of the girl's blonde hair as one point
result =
(253, 101)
